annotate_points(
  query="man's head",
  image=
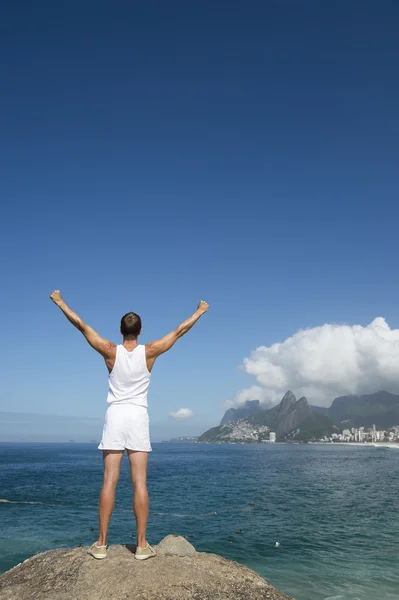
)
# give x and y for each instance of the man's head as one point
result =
(130, 326)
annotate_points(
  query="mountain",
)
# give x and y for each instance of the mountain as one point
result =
(294, 419)
(292, 414)
(314, 428)
(234, 414)
(287, 420)
(252, 407)
(287, 402)
(284, 417)
(217, 434)
(380, 409)
(319, 409)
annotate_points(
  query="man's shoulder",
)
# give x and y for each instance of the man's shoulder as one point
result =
(150, 349)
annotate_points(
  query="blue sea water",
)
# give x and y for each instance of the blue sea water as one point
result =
(334, 509)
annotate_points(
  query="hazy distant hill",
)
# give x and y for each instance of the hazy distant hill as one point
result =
(380, 409)
(234, 414)
(323, 410)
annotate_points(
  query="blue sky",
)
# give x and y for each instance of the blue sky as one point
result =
(154, 154)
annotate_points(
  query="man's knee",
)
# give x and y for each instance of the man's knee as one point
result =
(139, 484)
(110, 481)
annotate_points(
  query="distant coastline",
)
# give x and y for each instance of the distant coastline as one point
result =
(293, 443)
(366, 444)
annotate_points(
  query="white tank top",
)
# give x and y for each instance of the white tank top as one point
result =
(130, 378)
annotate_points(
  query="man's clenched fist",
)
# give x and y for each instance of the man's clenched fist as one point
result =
(56, 297)
(203, 306)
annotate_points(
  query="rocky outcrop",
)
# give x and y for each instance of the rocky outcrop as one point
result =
(292, 416)
(234, 414)
(286, 403)
(178, 572)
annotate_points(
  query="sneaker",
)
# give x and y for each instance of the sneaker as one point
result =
(142, 553)
(98, 551)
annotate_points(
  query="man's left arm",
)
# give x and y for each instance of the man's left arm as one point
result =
(104, 347)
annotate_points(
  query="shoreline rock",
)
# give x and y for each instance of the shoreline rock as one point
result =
(178, 572)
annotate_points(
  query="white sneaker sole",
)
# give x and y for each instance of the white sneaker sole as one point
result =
(144, 556)
(97, 556)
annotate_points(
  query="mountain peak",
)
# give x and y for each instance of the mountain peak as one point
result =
(252, 404)
(246, 410)
(292, 413)
(303, 401)
(288, 401)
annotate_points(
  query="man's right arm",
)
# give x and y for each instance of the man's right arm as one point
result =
(154, 349)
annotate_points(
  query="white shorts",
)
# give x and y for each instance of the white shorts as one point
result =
(126, 427)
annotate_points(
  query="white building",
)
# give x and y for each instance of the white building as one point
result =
(272, 437)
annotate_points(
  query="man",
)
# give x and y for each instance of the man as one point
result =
(126, 422)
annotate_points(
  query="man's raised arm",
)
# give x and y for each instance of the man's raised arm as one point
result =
(154, 349)
(104, 347)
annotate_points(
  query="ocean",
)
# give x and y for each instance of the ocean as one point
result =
(333, 509)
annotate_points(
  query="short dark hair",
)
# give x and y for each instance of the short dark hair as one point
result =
(130, 326)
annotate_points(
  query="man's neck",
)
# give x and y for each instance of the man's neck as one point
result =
(130, 344)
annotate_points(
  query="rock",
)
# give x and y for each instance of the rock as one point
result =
(178, 572)
(175, 545)
(293, 415)
(286, 403)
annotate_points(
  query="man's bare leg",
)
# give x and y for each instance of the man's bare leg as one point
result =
(112, 467)
(138, 469)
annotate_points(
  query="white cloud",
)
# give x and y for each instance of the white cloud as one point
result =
(182, 413)
(325, 362)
